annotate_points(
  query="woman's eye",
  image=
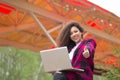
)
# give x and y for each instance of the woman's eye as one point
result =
(75, 31)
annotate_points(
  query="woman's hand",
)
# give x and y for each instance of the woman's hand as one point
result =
(86, 53)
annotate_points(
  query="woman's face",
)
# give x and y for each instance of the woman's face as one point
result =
(75, 34)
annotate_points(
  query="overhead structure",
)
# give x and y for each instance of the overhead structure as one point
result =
(35, 24)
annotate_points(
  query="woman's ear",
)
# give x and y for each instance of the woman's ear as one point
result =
(82, 35)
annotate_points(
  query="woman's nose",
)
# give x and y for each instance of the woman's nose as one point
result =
(73, 34)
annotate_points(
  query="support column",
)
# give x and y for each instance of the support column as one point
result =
(43, 28)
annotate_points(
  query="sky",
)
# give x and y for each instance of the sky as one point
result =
(110, 5)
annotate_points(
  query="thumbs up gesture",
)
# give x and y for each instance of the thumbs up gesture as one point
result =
(86, 53)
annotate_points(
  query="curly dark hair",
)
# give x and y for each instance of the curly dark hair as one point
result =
(64, 36)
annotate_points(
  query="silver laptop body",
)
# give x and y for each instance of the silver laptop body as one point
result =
(56, 59)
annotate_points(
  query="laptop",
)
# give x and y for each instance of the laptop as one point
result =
(56, 59)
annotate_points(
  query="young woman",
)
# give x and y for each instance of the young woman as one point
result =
(81, 53)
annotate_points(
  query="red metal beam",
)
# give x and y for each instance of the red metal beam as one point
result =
(77, 3)
(5, 8)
